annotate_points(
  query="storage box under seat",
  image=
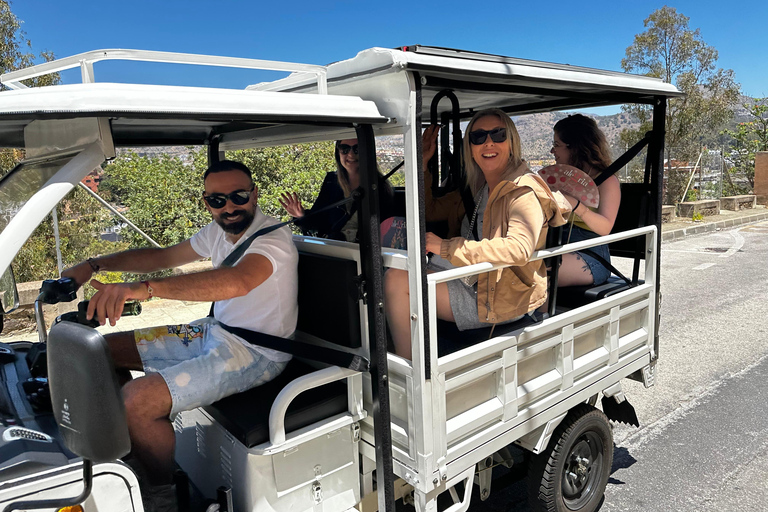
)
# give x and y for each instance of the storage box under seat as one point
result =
(320, 473)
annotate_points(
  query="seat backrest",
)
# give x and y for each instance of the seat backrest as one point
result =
(329, 302)
(634, 212)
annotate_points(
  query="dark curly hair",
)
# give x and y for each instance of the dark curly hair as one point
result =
(588, 145)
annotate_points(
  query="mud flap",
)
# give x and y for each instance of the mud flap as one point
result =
(621, 412)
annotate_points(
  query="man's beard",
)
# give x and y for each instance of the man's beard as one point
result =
(235, 228)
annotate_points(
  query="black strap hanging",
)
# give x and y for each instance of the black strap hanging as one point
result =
(623, 159)
(300, 349)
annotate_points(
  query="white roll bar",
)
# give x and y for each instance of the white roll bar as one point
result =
(86, 60)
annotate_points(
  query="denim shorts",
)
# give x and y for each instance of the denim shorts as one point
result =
(464, 306)
(202, 363)
(600, 274)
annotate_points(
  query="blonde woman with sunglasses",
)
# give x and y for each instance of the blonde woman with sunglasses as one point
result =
(513, 210)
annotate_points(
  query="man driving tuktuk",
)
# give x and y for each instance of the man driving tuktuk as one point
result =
(187, 366)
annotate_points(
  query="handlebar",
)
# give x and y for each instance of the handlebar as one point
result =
(129, 309)
(53, 291)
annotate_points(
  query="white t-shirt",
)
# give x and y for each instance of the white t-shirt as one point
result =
(271, 307)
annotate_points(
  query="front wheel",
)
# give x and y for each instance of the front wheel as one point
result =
(571, 474)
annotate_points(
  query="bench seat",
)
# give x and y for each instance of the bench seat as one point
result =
(576, 296)
(246, 415)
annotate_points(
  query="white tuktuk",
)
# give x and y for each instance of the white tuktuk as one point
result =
(322, 436)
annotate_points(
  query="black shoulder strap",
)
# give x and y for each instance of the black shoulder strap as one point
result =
(300, 349)
(607, 265)
(623, 159)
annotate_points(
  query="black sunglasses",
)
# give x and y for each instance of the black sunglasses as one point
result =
(238, 197)
(478, 137)
(344, 149)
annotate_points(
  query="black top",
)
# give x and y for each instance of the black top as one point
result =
(330, 223)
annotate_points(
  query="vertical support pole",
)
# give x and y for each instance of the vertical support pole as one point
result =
(372, 263)
(422, 232)
(57, 238)
(214, 155)
(656, 158)
(86, 72)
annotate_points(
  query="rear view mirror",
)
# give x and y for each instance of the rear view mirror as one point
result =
(85, 393)
(9, 296)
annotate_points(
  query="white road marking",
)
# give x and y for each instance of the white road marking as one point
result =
(704, 266)
(688, 251)
(738, 244)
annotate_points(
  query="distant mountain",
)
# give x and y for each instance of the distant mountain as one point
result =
(536, 131)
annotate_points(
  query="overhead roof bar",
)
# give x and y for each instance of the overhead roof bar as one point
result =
(86, 60)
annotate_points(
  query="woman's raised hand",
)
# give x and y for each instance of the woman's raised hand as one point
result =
(292, 204)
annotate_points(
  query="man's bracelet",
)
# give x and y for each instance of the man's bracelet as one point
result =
(150, 291)
(94, 266)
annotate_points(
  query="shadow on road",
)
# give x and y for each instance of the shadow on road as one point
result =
(622, 459)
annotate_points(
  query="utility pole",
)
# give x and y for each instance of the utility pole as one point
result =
(722, 169)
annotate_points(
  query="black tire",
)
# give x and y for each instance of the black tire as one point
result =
(571, 474)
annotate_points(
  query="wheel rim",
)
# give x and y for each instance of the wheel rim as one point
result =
(582, 470)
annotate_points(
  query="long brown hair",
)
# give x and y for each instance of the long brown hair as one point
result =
(475, 177)
(588, 145)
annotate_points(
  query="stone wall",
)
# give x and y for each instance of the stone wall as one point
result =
(704, 207)
(667, 213)
(736, 203)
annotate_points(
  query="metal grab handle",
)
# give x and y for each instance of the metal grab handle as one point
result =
(450, 161)
(292, 390)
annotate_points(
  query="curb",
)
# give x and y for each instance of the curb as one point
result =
(678, 234)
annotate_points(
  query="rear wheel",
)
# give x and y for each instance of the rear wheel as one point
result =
(571, 474)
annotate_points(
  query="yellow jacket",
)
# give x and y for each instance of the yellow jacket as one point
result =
(515, 224)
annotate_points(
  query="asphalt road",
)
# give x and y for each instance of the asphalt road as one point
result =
(703, 441)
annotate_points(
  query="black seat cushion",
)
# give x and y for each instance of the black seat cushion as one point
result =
(575, 296)
(450, 339)
(246, 415)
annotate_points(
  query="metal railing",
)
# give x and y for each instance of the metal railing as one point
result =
(85, 62)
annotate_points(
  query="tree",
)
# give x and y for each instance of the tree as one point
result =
(749, 138)
(298, 167)
(81, 219)
(162, 195)
(670, 50)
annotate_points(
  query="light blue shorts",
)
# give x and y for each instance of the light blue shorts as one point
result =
(202, 363)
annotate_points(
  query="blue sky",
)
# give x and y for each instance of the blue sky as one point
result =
(593, 34)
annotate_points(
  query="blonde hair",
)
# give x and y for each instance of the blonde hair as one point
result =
(475, 177)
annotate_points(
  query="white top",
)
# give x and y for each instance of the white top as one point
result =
(271, 307)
